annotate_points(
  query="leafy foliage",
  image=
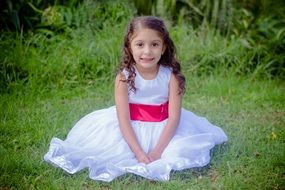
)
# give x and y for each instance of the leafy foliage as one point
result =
(258, 24)
(75, 48)
(26, 14)
(66, 43)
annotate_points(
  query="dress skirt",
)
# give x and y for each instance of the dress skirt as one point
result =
(96, 143)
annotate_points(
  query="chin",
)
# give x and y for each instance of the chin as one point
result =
(148, 65)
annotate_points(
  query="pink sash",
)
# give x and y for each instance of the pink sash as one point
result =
(151, 113)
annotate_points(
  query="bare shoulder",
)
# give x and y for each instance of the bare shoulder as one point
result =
(121, 90)
(173, 79)
(120, 77)
(174, 85)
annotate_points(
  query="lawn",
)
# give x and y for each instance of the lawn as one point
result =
(251, 112)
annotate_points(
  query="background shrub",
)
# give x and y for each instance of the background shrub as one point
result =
(48, 44)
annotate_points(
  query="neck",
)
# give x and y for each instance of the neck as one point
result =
(148, 73)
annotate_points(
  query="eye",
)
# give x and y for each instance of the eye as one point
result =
(139, 44)
(155, 44)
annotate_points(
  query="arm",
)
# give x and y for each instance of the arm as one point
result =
(168, 132)
(123, 113)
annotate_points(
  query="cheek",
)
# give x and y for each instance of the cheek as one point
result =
(159, 52)
(135, 52)
(135, 55)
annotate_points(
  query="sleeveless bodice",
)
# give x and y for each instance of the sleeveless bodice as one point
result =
(151, 92)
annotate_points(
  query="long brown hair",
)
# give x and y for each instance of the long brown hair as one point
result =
(167, 59)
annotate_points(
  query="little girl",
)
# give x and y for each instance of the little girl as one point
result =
(147, 132)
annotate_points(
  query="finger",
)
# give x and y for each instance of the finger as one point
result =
(144, 159)
(151, 159)
(147, 160)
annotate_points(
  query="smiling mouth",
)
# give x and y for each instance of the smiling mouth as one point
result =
(147, 59)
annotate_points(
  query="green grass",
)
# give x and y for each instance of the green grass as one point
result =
(251, 112)
(51, 78)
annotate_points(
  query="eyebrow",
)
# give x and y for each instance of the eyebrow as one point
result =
(151, 41)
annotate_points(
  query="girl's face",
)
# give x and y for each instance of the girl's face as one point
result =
(147, 47)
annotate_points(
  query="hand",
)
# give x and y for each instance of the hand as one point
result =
(142, 157)
(154, 155)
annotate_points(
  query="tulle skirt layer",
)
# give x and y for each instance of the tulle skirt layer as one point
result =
(95, 142)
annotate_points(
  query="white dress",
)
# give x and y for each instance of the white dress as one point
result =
(95, 142)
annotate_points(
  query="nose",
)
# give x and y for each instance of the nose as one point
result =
(147, 50)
